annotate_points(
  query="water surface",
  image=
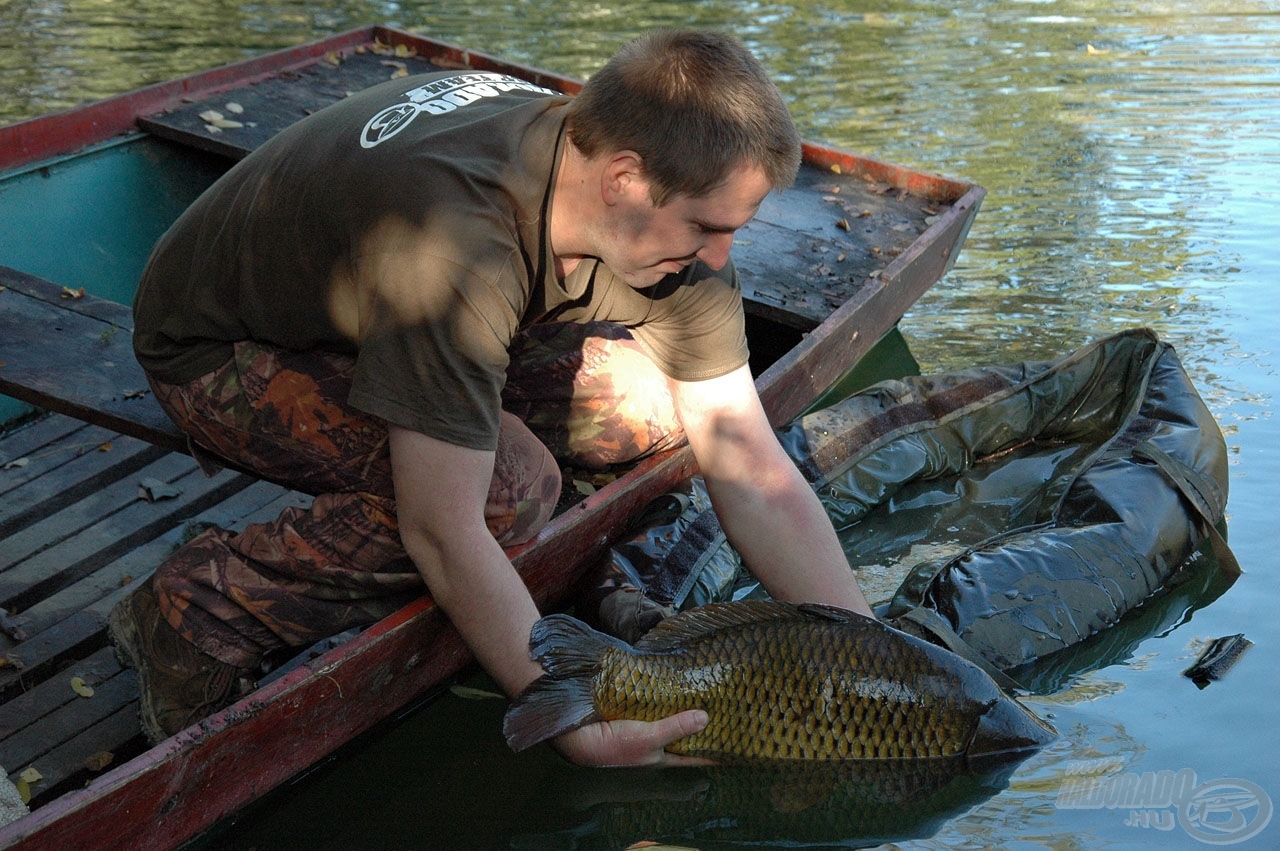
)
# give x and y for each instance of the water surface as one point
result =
(1131, 153)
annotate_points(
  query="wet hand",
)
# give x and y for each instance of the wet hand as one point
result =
(619, 743)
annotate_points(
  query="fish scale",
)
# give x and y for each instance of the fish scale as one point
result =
(778, 682)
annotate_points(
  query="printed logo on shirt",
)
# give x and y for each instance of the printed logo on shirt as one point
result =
(438, 97)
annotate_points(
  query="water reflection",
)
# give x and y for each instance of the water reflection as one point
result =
(1130, 151)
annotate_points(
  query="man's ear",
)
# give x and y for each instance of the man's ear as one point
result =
(623, 178)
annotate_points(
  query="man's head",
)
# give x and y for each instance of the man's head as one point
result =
(694, 105)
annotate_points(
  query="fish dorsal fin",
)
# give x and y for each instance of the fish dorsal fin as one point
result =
(686, 627)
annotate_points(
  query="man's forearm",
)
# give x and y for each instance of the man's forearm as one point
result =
(786, 539)
(485, 599)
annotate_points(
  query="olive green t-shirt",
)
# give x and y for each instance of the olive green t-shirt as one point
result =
(406, 226)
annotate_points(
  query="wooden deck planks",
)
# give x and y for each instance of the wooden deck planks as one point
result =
(76, 537)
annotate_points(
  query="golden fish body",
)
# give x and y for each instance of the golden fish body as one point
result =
(778, 682)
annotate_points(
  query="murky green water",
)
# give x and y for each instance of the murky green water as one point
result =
(1131, 151)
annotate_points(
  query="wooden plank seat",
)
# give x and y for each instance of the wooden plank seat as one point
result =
(72, 353)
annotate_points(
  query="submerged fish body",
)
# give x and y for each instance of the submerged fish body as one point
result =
(778, 681)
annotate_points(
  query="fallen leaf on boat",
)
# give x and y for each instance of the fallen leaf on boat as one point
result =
(67, 292)
(81, 688)
(836, 168)
(333, 58)
(153, 490)
(17, 463)
(99, 760)
(106, 447)
(843, 224)
(31, 774)
(212, 128)
(135, 394)
(234, 108)
(584, 488)
(8, 660)
(401, 70)
(210, 115)
(469, 693)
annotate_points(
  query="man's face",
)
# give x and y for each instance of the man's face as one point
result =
(645, 243)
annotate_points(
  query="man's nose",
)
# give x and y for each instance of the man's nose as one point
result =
(715, 251)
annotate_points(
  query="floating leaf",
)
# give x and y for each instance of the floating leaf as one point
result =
(16, 463)
(153, 490)
(469, 693)
(99, 760)
(79, 686)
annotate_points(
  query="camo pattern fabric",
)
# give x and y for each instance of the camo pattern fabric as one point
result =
(316, 571)
(590, 394)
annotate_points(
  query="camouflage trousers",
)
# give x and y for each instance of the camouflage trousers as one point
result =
(581, 394)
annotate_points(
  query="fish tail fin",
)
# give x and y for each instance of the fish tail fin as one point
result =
(562, 699)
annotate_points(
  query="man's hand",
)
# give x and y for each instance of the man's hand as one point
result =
(618, 743)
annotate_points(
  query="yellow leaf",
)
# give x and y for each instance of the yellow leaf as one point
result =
(30, 774)
(99, 760)
(67, 292)
(24, 790)
(79, 686)
(469, 693)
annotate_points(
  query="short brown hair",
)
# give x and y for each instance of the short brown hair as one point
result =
(694, 105)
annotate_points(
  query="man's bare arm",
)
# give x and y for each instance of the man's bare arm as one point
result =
(769, 512)
(441, 491)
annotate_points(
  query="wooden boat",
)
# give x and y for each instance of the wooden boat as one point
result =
(829, 267)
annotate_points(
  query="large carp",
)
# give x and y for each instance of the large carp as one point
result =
(778, 681)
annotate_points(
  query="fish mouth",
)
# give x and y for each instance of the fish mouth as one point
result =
(1008, 727)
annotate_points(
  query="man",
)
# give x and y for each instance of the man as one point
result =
(339, 313)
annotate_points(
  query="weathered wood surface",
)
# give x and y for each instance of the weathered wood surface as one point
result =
(72, 353)
(76, 535)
